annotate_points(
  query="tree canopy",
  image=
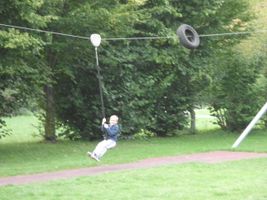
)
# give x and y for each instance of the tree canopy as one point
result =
(150, 84)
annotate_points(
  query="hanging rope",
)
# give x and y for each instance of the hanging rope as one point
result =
(100, 84)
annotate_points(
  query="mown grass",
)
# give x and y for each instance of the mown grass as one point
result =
(25, 157)
(244, 179)
(23, 128)
(236, 180)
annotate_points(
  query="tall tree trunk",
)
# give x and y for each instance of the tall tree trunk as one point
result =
(192, 120)
(49, 105)
(50, 130)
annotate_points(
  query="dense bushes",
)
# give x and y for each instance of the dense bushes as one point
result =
(235, 96)
(149, 84)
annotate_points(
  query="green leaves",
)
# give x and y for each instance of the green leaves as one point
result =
(22, 70)
(234, 91)
(14, 39)
(149, 83)
(3, 130)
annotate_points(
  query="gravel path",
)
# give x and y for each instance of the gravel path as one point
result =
(206, 157)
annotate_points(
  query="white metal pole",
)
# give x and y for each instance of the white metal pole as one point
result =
(250, 126)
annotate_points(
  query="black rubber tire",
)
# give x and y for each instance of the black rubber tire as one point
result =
(188, 36)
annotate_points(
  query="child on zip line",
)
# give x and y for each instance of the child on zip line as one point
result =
(111, 131)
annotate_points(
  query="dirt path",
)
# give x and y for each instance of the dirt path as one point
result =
(207, 157)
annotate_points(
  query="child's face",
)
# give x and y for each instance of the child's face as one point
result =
(113, 120)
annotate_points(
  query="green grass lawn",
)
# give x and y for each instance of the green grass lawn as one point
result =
(244, 179)
(21, 156)
(24, 129)
(25, 158)
(231, 180)
(204, 121)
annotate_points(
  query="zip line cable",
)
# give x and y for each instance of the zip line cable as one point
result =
(191, 44)
(129, 38)
(139, 38)
(44, 31)
(233, 33)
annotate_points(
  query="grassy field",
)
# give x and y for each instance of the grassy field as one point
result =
(244, 180)
(236, 180)
(25, 128)
(23, 154)
(27, 158)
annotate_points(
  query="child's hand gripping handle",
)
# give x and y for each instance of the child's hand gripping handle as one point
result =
(104, 121)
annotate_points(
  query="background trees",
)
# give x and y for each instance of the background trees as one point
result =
(235, 95)
(150, 84)
(22, 70)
